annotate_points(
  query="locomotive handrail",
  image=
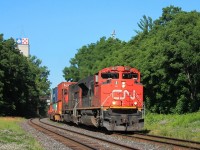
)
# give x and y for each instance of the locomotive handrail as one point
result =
(74, 109)
(106, 100)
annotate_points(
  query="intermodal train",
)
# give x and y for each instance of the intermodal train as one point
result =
(111, 98)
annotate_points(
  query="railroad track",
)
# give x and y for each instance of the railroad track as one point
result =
(173, 142)
(73, 139)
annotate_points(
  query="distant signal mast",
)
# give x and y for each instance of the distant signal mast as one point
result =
(113, 35)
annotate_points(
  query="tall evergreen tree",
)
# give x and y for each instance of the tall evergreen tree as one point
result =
(145, 24)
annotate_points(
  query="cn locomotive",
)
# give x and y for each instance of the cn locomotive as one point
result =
(111, 98)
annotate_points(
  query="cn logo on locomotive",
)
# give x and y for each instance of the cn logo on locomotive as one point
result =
(121, 95)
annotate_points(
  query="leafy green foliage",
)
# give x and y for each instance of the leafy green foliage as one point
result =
(174, 65)
(22, 82)
(166, 51)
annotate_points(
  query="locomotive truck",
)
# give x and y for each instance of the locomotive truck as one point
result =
(111, 98)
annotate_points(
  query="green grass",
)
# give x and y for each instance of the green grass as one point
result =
(178, 126)
(12, 136)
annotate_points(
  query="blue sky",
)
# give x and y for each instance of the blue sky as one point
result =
(57, 28)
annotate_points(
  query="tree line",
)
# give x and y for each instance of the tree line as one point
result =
(22, 82)
(166, 51)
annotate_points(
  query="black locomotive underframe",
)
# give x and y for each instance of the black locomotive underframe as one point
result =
(123, 120)
(111, 119)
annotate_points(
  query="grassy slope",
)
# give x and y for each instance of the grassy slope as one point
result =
(179, 126)
(13, 137)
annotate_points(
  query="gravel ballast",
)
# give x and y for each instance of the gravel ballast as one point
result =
(50, 144)
(46, 142)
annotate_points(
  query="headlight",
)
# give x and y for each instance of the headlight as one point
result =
(113, 102)
(123, 84)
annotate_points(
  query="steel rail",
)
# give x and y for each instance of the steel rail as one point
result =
(93, 137)
(59, 137)
(188, 144)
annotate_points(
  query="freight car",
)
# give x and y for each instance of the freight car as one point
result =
(112, 98)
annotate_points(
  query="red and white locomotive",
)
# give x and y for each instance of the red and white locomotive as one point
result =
(112, 98)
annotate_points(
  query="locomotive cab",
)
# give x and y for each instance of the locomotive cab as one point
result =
(121, 98)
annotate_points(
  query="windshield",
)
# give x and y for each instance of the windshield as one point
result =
(110, 75)
(130, 75)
